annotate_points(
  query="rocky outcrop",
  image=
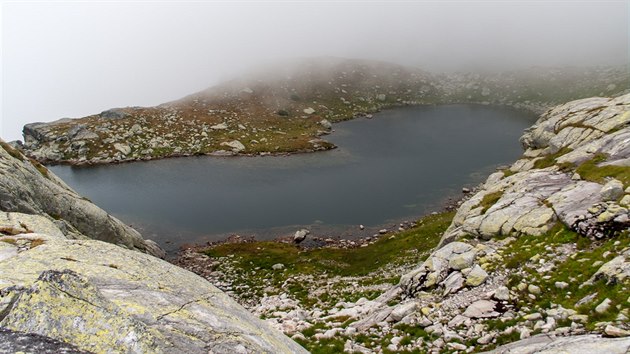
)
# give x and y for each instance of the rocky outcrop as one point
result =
(29, 188)
(105, 299)
(571, 182)
(544, 344)
(545, 186)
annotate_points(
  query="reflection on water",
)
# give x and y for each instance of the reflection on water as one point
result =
(400, 164)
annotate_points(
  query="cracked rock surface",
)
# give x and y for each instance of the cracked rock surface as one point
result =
(105, 299)
(542, 188)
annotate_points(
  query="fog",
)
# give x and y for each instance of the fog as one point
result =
(77, 58)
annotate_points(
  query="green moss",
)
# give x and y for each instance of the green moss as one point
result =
(591, 172)
(8, 240)
(489, 200)
(550, 160)
(507, 173)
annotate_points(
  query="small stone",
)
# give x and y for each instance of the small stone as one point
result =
(461, 261)
(403, 310)
(277, 266)
(453, 283)
(532, 316)
(561, 285)
(476, 276)
(300, 235)
(123, 148)
(612, 190)
(309, 110)
(485, 339)
(533, 289)
(525, 333)
(325, 124)
(612, 331)
(603, 306)
(586, 299)
(481, 309)
(579, 318)
(502, 293)
(220, 126)
(456, 346)
(236, 145)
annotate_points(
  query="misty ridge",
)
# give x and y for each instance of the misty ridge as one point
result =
(177, 50)
(288, 107)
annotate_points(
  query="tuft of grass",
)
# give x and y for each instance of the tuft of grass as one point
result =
(37, 242)
(489, 200)
(40, 168)
(8, 240)
(12, 151)
(550, 160)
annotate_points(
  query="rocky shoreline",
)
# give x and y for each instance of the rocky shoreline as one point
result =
(279, 115)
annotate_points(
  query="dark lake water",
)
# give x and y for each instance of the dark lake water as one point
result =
(399, 165)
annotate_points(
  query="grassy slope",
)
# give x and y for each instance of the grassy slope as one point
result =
(254, 260)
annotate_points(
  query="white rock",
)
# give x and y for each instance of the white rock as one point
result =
(481, 309)
(561, 285)
(403, 310)
(603, 306)
(236, 145)
(123, 148)
(277, 266)
(612, 190)
(300, 235)
(220, 126)
(612, 331)
(502, 293)
(533, 289)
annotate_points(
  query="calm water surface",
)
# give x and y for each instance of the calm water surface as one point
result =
(400, 164)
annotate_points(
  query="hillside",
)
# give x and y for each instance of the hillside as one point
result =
(287, 108)
(540, 253)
